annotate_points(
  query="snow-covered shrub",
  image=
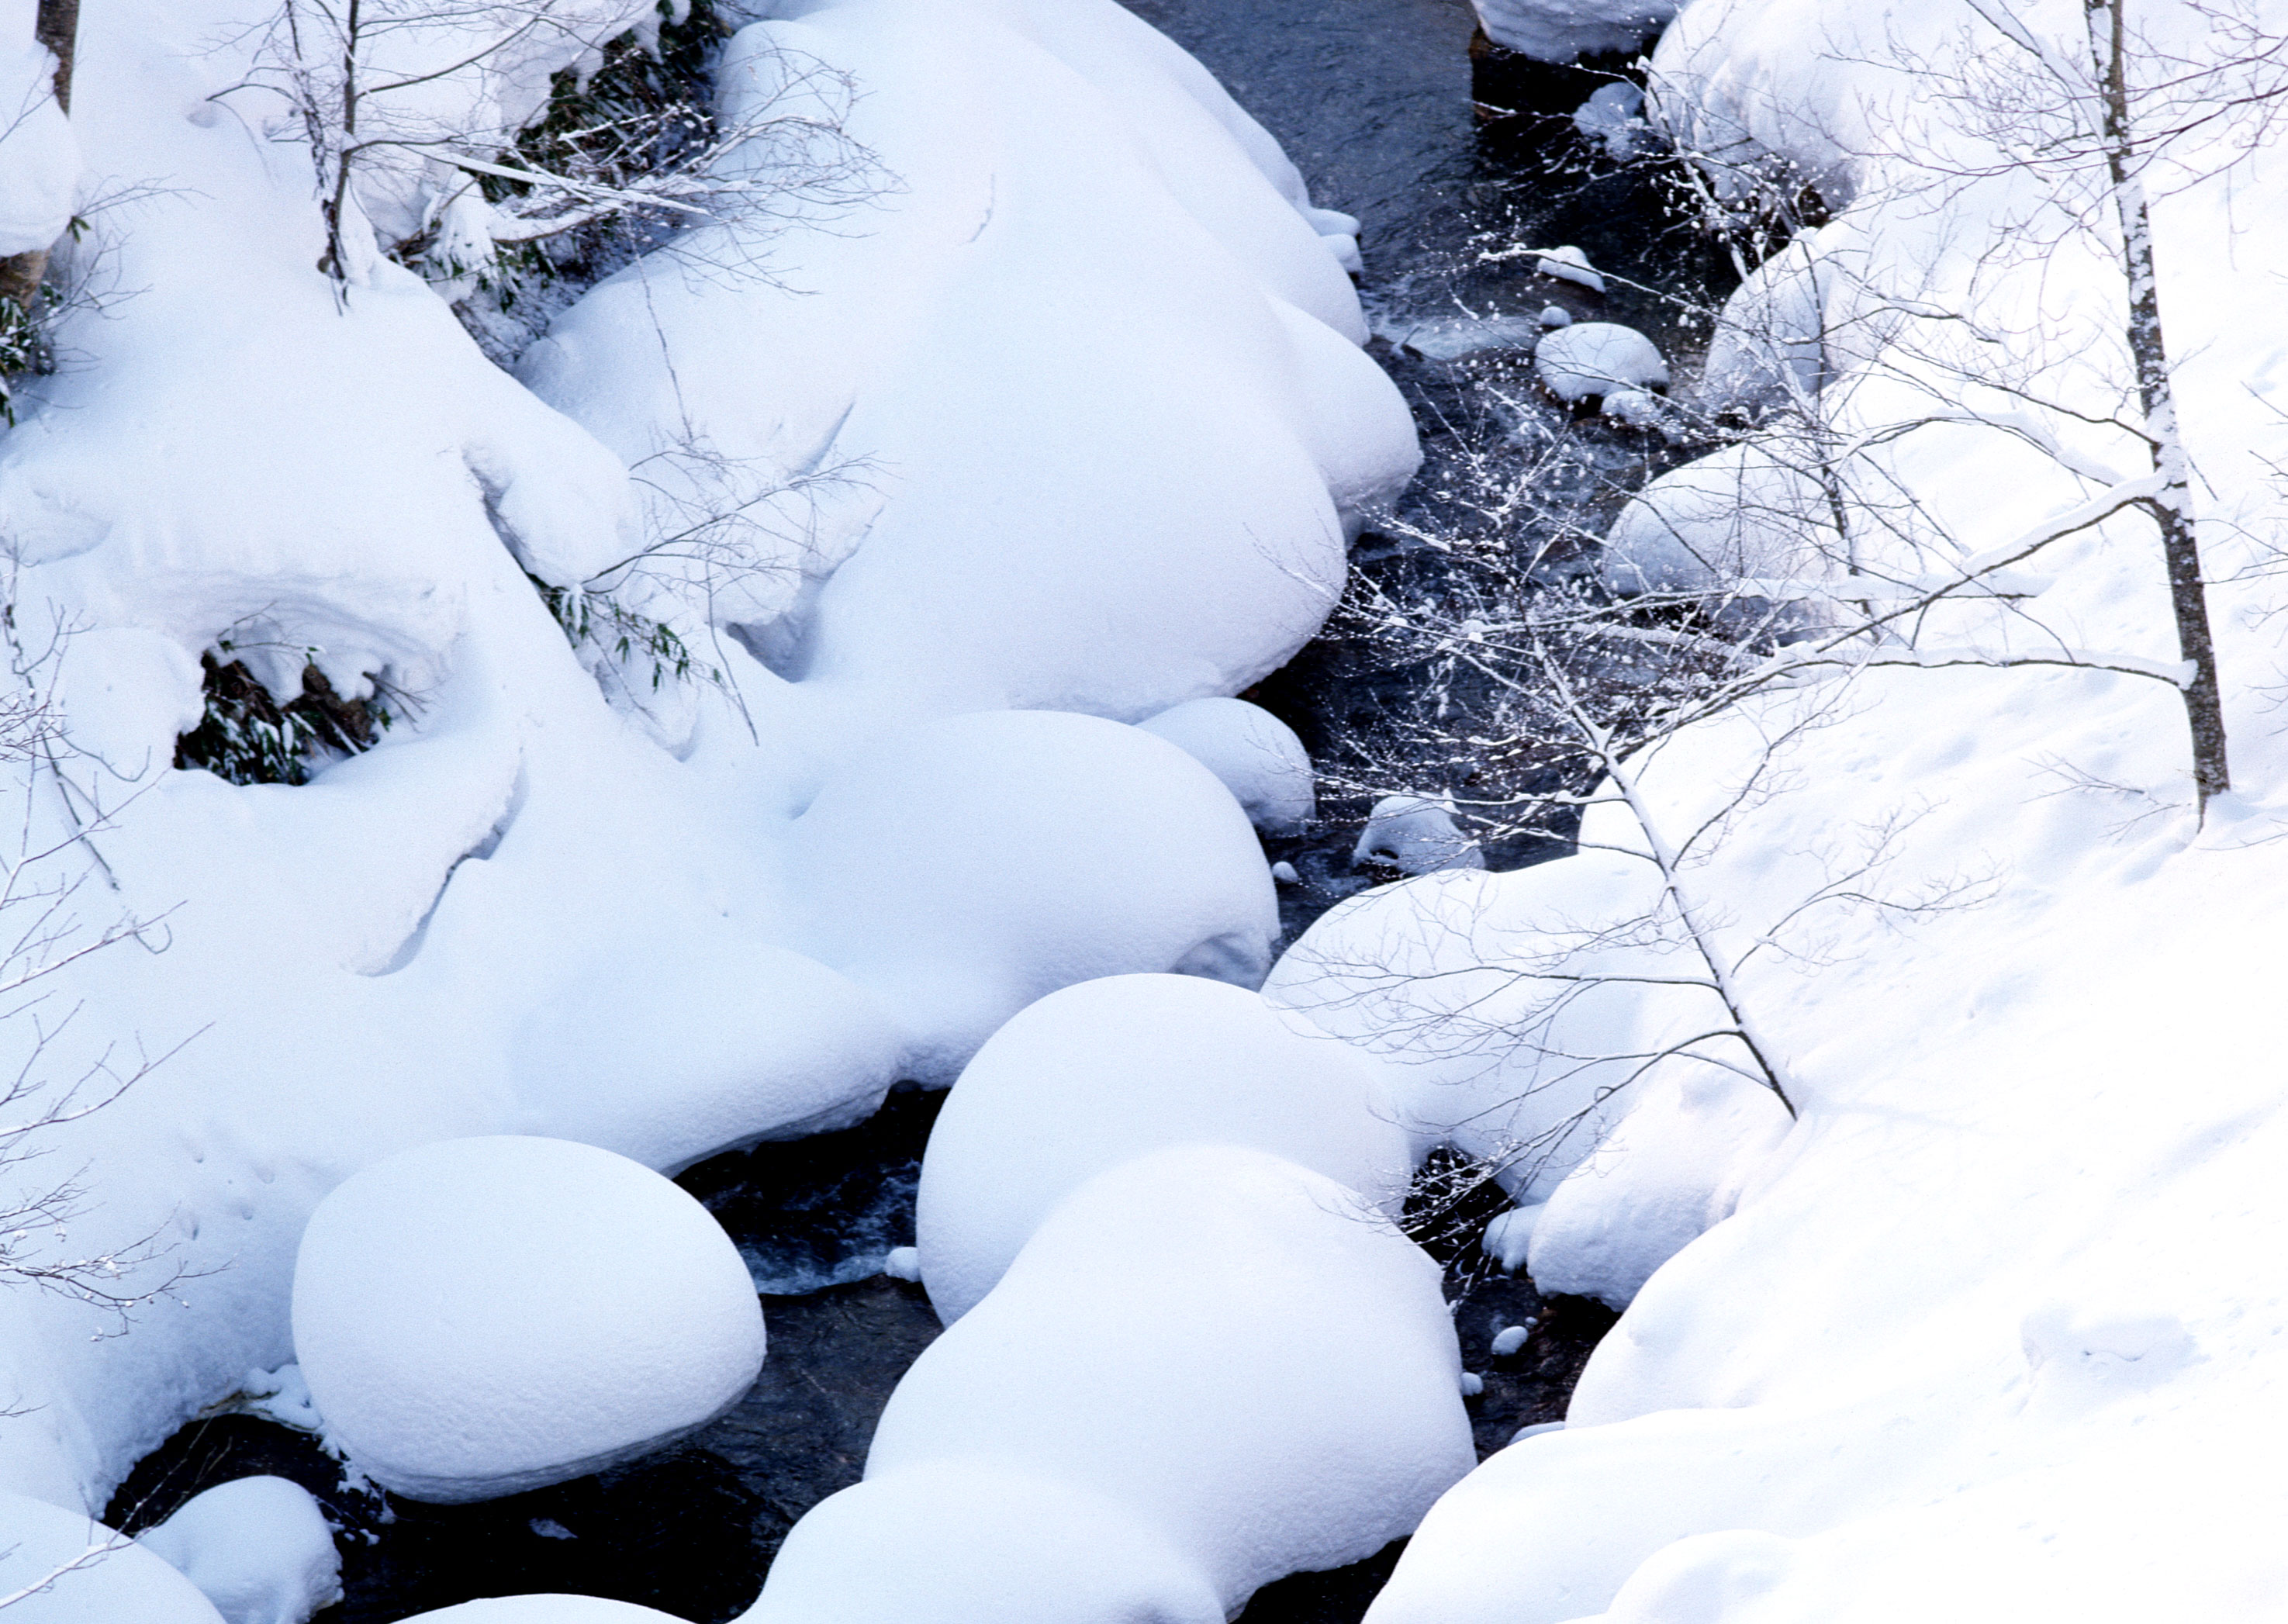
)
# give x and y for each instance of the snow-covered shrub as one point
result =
(247, 736)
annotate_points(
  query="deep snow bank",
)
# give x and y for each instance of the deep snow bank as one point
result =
(1990, 1335)
(1095, 357)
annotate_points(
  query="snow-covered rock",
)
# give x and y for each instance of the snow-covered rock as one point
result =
(483, 1316)
(1256, 755)
(1102, 1073)
(1286, 1378)
(1671, 1168)
(1769, 347)
(1570, 263)
(1593, 359)
(1742, 526)
(975, 1543)
(1614, 116)
(1415, 835)
(63, 1567)
(1449, 338)
(1028, 548)
(257, 1547)
(967, 867)
(1560, 30)
(545, 1610)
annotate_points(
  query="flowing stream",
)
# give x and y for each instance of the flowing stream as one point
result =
(1373, 99)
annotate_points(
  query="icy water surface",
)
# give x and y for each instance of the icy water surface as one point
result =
(1372, 97)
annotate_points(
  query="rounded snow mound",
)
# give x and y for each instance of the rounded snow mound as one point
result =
(545, 1610)
(483, 1316)
(1256, 755)
(967, 1543)
(1593, 359)
(257, 1547)
(92, 1573)
(962, 869)
(1561, 30)
(1096, 1074)
(1415, 835)
(1242, 1354)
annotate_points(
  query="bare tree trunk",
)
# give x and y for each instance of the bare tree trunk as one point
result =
(57, 28)
(2173, 508)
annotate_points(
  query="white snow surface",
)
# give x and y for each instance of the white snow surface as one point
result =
(967, 867)
(1596, 358)
(257, 1547)
(1560, 30)
(1415, 835)
(1995, 1333)
(1091, 361)
(1238, 1359)
(63, 1567)
(1673, 1167)
(1256, 755)
(482, 1316)
(1099, 1074)
(545, 1610)
(39, 160)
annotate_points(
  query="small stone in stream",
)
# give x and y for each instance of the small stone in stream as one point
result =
(1472, 1384)
(549, 1528)
(1570, 265)
(1285, 874)
(1556, 316)
(903, 1263)
(1508, 1341)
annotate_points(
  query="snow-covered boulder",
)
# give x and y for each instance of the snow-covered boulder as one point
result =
(39, 160)
(1256, 755)
(1560, 30)
(1769, 347)
(257, 1547)
(545, 1610)
(64, 1567)
(1102, 1073)
(478, 1317)
(1740, 526)
(1415, 835)
(1593, 359)
(1245, 1357)
(1570, 263)
(970, 1542)
(1671, 1168)
(965, 869)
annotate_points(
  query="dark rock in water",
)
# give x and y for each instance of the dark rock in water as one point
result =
(1339, 1596)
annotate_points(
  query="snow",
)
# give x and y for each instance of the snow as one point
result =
(1767, 349)
(1596, 358)
(1509, 1236)
(1452, 338)
(1090, 368)
(482, 1316)
(1670, 1168)
(1256, 755)
(1180, 1283)
(1568, 265)
(1099, 1074)
(544, 1610)
(1560, 30)
(1415, 835)
(1614, 116)
(1732, 525)
(1508, 1340)
(61, 1567)
(39, 160)
(965, 869)
(257, 1547)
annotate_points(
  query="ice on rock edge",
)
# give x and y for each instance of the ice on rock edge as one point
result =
(965, 868)
(1099, 1074)
(1256, 755)
(260, 1549)
(1181, 1281)
(478, 1317)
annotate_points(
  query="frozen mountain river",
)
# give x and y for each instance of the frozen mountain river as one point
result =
(1373, 99)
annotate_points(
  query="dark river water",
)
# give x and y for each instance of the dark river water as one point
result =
(1373, 99)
